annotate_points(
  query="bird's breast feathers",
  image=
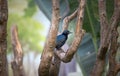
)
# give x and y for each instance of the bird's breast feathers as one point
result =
(60, 40)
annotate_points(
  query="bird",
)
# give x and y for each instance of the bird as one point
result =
(61, 39)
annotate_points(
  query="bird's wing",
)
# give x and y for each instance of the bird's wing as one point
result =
(60, 40)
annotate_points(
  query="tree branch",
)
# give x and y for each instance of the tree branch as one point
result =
(68, 19)
(17, 63)
(100, 62)
(114, 67)
(67, 57)
(116, 14)
(112, 53)
(106, 32)
(54, 69)
(50, 42)
(55, 66)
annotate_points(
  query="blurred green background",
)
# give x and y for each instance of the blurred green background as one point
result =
(30, 30)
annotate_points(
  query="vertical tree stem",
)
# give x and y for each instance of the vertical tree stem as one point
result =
(47, 54)
(3, 36)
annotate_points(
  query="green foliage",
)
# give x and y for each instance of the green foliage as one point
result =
(29, 31)
(31, 10)
(109, 8)
(86, 53)
(91, 23)
(73, 5)
(91, 17)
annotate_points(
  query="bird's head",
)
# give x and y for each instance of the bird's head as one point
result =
(66, 32)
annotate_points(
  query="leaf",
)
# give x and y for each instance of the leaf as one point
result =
(86, 55)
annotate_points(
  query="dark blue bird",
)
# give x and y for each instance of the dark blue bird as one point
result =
(61, 39)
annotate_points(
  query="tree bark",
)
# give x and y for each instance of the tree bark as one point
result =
(47, 54)
(100, 62)
(44, 68)
(3, 36)
(106, 36)
(54, 69)
(68, 19)
(61, 55)
(114, 66)
(17, 63)
(79, 33)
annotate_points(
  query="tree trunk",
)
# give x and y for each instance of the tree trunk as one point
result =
(108, 40)
(50, 41)
(46, 68)
(17, 63)
(3, 34)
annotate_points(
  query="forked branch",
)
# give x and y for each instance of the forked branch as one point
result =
(67, 57)
(68, 19)
(107, 33)
(55, 66)
(114, 66)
